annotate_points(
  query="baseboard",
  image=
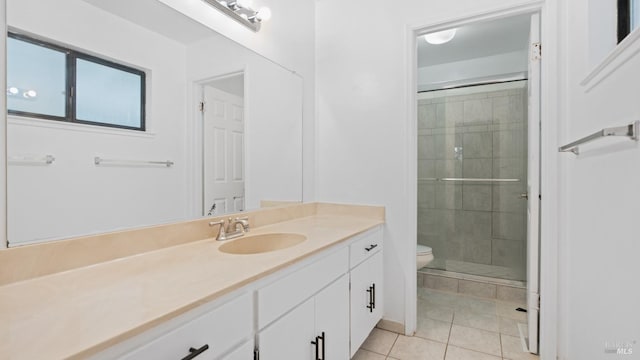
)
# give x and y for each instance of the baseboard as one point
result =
(392, 326)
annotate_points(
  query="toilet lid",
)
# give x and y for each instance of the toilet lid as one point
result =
(424, 250)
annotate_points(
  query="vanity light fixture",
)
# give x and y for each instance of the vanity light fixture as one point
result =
(241, 11)
(440, 37)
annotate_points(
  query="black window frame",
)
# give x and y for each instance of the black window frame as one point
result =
(71, 57)
(624, 19)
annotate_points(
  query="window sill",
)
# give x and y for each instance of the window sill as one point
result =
(623, 52)
(59, 125)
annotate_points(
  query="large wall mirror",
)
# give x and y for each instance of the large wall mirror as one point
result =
(125, 114)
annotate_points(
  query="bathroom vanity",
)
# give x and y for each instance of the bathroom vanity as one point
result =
(318, 298)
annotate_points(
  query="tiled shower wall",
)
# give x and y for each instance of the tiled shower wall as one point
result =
(477, 132)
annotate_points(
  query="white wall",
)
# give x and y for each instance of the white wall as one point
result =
(288, 39)
(3, 129)
(273, 111)
(362, 130)
(481, 68)
(599, 264)
(73, 196)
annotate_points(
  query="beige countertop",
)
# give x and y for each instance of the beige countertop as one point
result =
(79, 312)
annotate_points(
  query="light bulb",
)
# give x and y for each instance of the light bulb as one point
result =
(30, 94)
(223, 3)
(244, 3)
(13, 90)
(440, 37)
(263, 14)
(244, 16)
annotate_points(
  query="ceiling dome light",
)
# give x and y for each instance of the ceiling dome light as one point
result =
(263, 14)
(440, 37)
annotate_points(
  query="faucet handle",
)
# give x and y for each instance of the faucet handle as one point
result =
(221, 231)
(244, 221)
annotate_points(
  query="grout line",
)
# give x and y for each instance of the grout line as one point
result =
(394, 344)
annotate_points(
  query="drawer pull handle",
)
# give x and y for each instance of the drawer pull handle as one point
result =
(195, 352)
(371, 247)
(373, 287)
(316, 343)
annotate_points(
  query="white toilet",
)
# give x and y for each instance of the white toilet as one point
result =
(425, 256)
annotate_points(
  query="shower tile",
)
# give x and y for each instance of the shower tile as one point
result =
(477, 168)
(448, 196)
(476, 197)
(476, 288)
(509, 168)
(478, 145)
(427, 116)
(440, 283)
(509, 144)
(426, 147)
(509, 226)
(497, 94)
(450, 114)
(420, 280)
(424, 101)
(444, 147)
(508, 253)
(508, 109)
(454, 250)
(473, 224)
(477, 250)
(506, 198)
(448, 168)
(426, 195)
(478, 111)
(426, 169)
(512, 294)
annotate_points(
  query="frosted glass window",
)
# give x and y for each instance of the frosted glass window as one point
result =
(108, 95)
(36, 79)
(635, 14)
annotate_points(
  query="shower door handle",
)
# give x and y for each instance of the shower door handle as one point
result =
(524, 196)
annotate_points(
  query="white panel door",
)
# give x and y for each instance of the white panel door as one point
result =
(533, 187)
(290, 337)
(332, 319)
(223, 152)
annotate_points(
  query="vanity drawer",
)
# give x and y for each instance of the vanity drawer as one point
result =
(284, 294)
(367, 245)
(220, 330)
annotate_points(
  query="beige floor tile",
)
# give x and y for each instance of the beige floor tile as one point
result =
(380, 341)
(433, 329)
(367, 355)
(434, 311)
(512, 349)
(506, 309)
(456, 353)
(475, 339)
(509, 326)
(480, 306)
(415, 348)
(475, 320)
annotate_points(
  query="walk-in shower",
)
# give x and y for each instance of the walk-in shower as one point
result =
(472, 179)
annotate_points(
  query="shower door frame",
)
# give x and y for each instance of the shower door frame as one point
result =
(549, 110)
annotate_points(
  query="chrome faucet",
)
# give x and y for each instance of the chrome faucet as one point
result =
(234, 229)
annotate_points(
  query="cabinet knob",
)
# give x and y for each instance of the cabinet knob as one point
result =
(193, 352)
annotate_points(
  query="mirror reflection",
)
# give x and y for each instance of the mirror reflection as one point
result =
(151, 118)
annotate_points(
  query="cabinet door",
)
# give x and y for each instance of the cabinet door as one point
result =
(290, 336)
(244, 352)
(332, 318)
(366, 299)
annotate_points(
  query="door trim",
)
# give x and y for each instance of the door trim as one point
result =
(549, 110)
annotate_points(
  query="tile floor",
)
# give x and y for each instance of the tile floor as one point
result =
(453, 326)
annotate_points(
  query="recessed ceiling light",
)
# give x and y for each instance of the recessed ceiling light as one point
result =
(440, 37)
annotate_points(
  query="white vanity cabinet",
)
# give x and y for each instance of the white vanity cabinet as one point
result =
(224, 333)
(317, 327)
(366, 274)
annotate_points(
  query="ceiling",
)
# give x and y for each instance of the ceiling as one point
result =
(165, 21)
(478, 40)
